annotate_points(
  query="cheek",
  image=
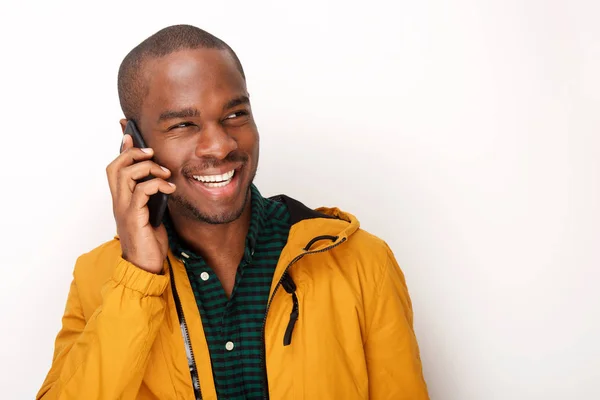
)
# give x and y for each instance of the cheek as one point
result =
(248, 140)
(171, 156)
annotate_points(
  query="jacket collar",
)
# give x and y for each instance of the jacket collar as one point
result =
(308, 225)
(318, 229)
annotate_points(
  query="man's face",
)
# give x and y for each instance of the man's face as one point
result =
(196, 116)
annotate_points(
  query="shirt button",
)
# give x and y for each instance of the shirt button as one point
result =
(204, 276)
(229, 346)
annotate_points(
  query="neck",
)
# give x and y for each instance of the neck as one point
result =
(216, 243)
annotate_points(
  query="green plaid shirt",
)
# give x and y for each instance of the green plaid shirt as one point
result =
(233, 326)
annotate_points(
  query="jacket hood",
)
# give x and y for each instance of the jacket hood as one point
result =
(317, 229)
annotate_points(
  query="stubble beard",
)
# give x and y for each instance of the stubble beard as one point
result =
(188, 210)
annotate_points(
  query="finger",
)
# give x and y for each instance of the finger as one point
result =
(144, 190)
(129, 176)
(131, 155)
(126, 143)
(126, 158)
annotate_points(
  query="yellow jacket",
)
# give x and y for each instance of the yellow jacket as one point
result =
(130, 334)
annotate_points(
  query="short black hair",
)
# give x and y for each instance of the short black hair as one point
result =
(131, 85)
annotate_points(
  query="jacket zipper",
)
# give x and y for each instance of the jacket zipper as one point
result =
(186, 338)
(263, 350)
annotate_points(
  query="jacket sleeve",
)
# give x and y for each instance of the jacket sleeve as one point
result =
(392, 352)
(104, 357)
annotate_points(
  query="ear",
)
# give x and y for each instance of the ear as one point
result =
(123, 123)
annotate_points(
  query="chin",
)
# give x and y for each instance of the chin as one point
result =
(215, 215)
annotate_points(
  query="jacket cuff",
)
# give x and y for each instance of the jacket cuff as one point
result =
(135, 278)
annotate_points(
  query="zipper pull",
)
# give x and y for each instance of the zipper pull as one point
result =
(290, 287)
(288, 283)
(287, 338)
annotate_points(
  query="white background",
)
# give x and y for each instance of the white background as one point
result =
(464, 132)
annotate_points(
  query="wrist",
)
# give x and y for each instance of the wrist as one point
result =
(152, 268)
(133, 277)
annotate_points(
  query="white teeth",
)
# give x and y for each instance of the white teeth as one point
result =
(215, 181)
(218, 184)
(218, 179)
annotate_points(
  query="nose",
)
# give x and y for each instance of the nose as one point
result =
(215, 142)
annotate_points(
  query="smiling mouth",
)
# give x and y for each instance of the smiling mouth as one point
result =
(215, 181)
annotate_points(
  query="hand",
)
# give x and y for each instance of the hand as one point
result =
(141, 243)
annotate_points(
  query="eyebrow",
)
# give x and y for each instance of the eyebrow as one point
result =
(236, 102)
(193, 112)
(183, 113)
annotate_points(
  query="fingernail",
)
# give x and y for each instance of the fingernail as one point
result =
(147, 150)
(172, 184)
(164, 169)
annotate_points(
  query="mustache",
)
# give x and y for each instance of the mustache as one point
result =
(212, 162)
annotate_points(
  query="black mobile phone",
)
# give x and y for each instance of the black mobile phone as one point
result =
(157, 204)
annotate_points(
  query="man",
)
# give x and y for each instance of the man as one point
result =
(233, 296)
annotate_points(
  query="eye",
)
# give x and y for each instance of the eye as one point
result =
(237, 114)
(181, 125)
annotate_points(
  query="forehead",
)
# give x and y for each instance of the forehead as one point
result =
(191, 78)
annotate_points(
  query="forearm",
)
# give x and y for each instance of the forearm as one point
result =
(108, 355)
